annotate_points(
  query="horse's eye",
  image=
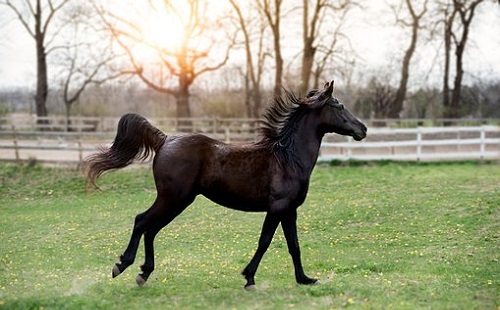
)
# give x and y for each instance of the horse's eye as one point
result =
(337, 104)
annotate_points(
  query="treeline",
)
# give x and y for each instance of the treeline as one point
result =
(481, 100)
(201, 57)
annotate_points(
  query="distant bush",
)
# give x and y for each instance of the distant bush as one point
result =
(4, 109)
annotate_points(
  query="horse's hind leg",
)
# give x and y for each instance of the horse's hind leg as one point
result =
(141, 225)
(128, 256)
(162, 217)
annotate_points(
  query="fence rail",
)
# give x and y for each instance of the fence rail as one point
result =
(29, 122)
(420, 144)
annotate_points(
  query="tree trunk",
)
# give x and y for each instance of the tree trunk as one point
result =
(446, 75)
(41, 62)
(397, 105)
(42, 85)
(466, 15)
(253, 96)
(278, 79)
(457, 84)
(307, 64)
(308, 51)
(248, 96)
(257, 102)
(68, 117)
(183, 111)
(274, 19)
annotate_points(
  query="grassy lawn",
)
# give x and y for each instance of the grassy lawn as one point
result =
(378, 237)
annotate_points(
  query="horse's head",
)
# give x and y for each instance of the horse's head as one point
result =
(334, 116)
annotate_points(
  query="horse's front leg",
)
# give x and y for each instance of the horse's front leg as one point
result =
(289, 224)
(271, 222)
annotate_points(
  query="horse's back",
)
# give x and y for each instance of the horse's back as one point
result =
(177, 164)
(234, 176)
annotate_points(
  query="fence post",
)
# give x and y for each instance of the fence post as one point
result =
(349, 149)
(482, 146)
(228, 135)
(16, 148)
(80, 150)
(419, 142)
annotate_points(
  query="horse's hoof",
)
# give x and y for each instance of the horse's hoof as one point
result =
(116, 271)
(140, 280)
(250, 287)
(308, 281)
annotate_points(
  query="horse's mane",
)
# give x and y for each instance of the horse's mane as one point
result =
(280, 120)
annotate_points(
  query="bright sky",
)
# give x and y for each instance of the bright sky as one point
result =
(379, 43)
(372, 37)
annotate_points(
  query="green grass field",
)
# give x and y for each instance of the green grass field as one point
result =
(390, 236)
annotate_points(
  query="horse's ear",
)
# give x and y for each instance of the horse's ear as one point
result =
(329, 89)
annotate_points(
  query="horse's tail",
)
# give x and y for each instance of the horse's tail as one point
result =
(135, 138)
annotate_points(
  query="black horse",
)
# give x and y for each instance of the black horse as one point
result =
(271, 175)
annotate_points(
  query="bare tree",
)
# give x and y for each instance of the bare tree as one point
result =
(83, 60)
(457, 20)
(310, 28)
(330, 13)
(465, 10)
(174, 69)
(449, 16)
(415, 25)
(254, 60)
(272, 11)
(38, 17)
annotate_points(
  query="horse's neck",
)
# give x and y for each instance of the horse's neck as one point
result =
(307, 143)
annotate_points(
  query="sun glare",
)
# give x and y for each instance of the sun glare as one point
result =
(170, 30)
(163, 33)
(163, 30)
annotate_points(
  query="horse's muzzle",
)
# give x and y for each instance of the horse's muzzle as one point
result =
(361, 134)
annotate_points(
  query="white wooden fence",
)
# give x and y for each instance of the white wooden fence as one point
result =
(420, 144)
